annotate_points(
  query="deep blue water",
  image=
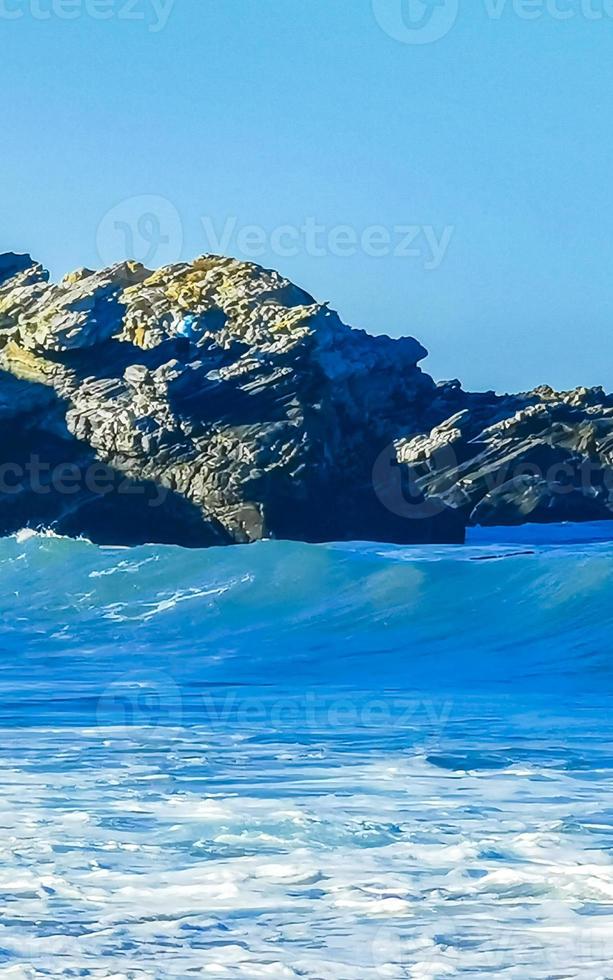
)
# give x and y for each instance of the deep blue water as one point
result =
(286, 760)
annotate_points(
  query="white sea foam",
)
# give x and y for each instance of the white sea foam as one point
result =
(147, 864)
(343, 763)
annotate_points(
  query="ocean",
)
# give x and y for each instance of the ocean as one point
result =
(286, 760)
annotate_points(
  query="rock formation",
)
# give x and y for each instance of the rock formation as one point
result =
(541, 457)
(216, 402)
(204, 403)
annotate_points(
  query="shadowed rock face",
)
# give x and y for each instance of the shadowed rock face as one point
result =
(215, 402)
(205, 403)
(540, 457)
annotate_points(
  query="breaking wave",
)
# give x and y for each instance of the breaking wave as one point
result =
(286, 760)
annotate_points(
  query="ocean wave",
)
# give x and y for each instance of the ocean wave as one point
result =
(347, 761)
(484, 614)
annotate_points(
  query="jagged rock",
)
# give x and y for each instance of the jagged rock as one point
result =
(219, 402)
(216, 402)
(543, 456)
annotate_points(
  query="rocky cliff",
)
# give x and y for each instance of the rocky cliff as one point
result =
(541, 457)
(204, 403)
(216, 402)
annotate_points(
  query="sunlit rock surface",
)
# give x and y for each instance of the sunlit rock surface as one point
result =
(216, 402)
(224, 403)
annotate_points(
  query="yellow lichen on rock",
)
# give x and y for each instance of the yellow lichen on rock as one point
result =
(26, 365)
(77, 276)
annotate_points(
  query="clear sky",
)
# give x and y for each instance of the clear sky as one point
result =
(459, 189)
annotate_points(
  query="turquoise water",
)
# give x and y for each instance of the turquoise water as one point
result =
(283, 760)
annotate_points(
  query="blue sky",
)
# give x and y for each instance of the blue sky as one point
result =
(458, 189)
